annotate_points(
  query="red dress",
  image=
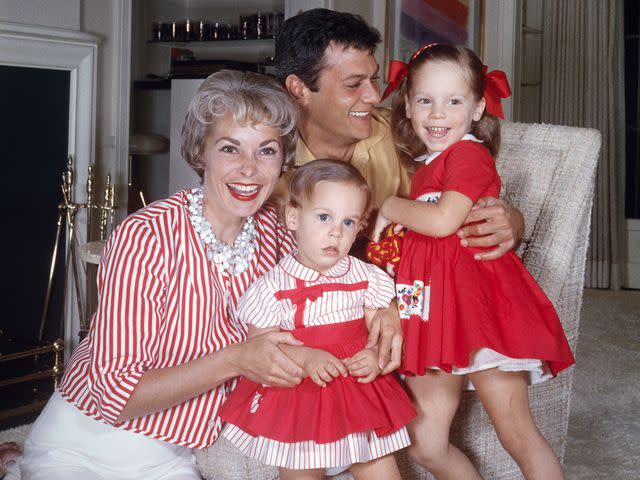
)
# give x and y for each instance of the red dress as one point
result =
(308, 426)
(453, 306)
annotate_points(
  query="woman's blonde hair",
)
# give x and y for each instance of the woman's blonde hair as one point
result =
(251, 99)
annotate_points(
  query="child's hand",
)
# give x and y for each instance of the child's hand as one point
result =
(364, 364)
(381, 223)
(323, 367)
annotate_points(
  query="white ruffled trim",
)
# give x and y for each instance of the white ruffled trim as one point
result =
(486, 358)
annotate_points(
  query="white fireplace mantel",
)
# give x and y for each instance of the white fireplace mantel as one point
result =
(52, 48)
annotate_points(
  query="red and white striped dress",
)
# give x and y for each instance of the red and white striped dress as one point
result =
(307, 426)
(162, 303)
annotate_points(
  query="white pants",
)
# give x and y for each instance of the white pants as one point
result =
(65, 444)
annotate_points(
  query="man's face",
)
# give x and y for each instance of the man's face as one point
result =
(347, 92)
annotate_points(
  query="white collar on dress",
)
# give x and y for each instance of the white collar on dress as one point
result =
(296, 269)
(427, 158)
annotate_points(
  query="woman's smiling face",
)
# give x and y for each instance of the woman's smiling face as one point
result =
(242, 165)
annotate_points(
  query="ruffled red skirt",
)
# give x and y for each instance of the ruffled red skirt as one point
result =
(309, 412)
(471, 304)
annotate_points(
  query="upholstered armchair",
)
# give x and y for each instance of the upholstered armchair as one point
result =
(548, 173)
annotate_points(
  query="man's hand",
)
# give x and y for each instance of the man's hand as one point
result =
(385, 332)
(364, 365)
(500, 226)
(322, 367)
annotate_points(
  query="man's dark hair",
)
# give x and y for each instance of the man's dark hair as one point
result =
(301, 43)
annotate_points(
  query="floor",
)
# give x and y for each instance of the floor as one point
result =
(604, 426)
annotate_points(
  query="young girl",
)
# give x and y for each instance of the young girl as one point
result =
(488, 320)
(343, 413)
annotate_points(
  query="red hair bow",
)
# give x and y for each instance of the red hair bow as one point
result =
(398, 71)
(496, 87)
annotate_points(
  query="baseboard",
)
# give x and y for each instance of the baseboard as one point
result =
(633, 253)
(633, 275)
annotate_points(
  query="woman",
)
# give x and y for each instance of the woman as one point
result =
(144, 387)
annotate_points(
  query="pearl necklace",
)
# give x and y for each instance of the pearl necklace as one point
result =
(232, 258)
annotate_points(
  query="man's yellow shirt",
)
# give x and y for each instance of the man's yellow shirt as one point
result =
(374, 157)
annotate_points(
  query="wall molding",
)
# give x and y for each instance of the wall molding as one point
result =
(123, 17)
(53, 48)
(501, 48)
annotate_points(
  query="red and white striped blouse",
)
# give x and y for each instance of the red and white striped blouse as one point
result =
(162, 303)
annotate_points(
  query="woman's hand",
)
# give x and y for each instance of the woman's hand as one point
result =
(500, 226)
(261, 361)
(322, 367)
(385, 332)
(364, 364)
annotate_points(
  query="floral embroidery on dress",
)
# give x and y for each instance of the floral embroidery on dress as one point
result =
(413, 299)
(430, 197)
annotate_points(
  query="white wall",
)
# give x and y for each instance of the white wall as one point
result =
(101, 18)
(501, 43)
(633, 252)
(374, 13)
(47, 13)
(104, 19)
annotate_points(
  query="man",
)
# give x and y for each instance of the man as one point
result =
(325, 61)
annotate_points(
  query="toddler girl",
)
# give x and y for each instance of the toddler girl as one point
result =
(343, 413)
(487, 320)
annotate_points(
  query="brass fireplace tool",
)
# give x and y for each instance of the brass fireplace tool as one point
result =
(67, 212)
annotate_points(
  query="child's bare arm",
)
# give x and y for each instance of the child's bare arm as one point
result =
(436, 219)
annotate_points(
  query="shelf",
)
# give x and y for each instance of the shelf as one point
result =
(160, 84)
(531, 30)
(215, 43)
